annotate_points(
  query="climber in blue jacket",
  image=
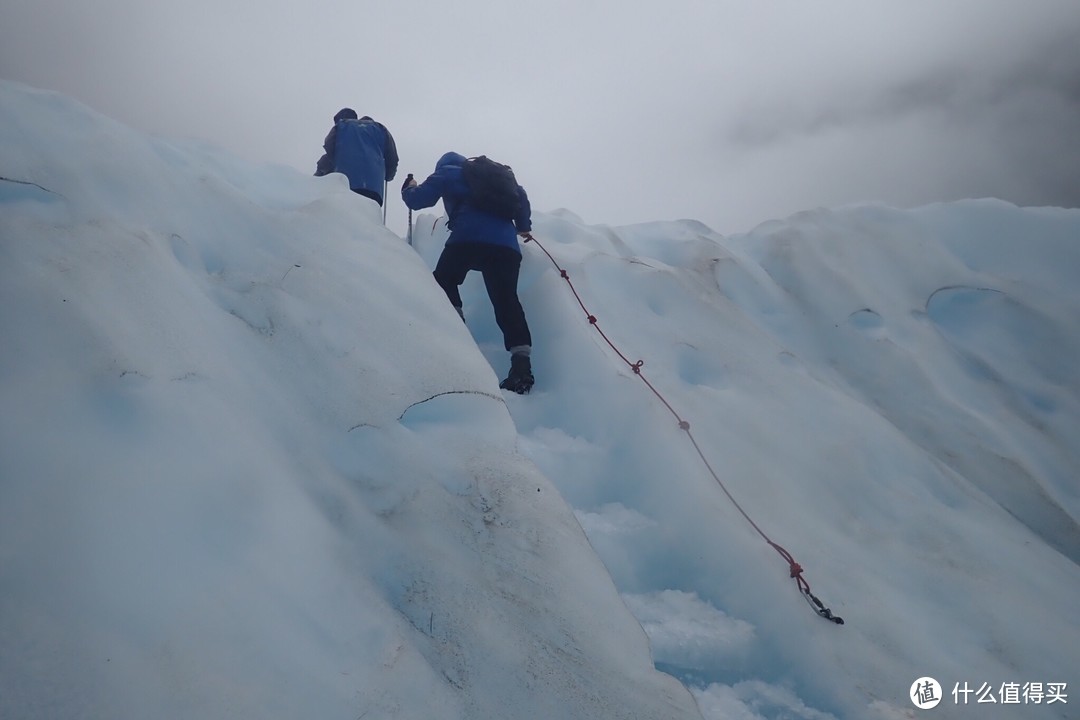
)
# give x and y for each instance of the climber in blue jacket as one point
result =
(361, 149)
(481, 240)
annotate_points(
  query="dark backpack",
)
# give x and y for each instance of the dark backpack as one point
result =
(492, 187)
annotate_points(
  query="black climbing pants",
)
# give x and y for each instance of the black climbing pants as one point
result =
(500, 266)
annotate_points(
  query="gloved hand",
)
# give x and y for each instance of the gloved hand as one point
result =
(409, 182)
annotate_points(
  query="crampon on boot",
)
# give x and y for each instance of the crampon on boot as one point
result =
(520, 379)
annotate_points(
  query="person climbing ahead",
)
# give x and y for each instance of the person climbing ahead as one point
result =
(486, 212)
(361, 149)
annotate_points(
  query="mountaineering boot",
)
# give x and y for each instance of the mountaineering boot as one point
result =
(520, 379)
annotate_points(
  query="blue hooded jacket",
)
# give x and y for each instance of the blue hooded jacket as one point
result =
(466, 223)
(361, 149)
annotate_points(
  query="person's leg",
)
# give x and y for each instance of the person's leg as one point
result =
(450, 271)
(373, 194)
(500, 269)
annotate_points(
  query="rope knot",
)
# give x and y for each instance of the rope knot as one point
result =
(565, 275)
(636, 367)
(796, 569)
(683, 425)
(592, 319)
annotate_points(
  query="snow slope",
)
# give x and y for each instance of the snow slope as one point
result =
(253, 465)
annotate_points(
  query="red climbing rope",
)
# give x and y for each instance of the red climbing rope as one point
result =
(794, 567)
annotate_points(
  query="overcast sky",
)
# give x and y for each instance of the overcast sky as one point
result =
(729, 112)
